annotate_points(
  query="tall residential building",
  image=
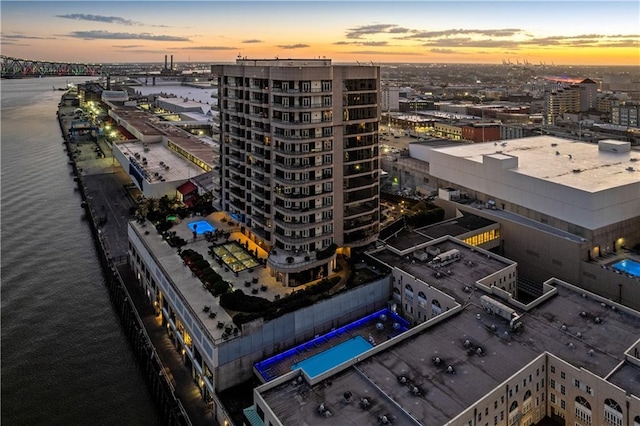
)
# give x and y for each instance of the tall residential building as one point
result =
(300, 160)
(561, 101)
(588, 94)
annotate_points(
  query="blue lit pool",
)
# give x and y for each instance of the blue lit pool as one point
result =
(628, 266)
(330, 358)
(201, 226)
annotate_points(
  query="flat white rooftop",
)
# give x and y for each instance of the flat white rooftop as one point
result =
(159, 157)
(588, 185)
(575, 164)
(184, 104)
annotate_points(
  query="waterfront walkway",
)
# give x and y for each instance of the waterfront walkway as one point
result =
(104, 182)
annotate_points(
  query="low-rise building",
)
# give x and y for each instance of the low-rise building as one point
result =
(481, 355)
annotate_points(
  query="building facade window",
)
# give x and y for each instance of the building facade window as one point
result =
(612, 412)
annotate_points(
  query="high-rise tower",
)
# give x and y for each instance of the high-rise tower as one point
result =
(300, 160)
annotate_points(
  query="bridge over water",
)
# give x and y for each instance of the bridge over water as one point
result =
(21, 68)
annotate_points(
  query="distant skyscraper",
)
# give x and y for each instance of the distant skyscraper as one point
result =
(299, 159)
(588, 94)
(561, 101)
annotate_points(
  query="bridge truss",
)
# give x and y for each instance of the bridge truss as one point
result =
(16, 67)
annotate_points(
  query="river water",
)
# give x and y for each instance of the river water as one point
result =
(65, 360)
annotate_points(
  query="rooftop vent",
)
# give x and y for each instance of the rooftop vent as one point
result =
(597, 320)
(364, 403)
(576, 170)
(385, 420)
(554, 144)
(324, 411)
(451, 370)
(563, 327)
(630, 169)
(557, 152)
(571, 345)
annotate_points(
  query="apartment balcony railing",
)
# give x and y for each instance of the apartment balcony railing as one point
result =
(310, 105)
(299, 211)
(296, 91)
(299, 240)
(300, 225)
(297, 137)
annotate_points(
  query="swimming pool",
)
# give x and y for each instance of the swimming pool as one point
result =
(333, 357)
(628, 266)
(201, 226)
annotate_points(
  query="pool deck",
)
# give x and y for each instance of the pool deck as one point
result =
(607, 261)
(310, 349)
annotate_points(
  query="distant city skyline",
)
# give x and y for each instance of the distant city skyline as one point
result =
(563, 33)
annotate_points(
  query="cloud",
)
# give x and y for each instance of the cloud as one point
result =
(445, 51)
(621, 43)
(4, 42)
(469, 42)
(375, 52)
(361, 43)
(373, 43)
(145, 51)
(398, 30)
(98, 34)
(504, 32)
(293, 46)
(127, 46)
(359, 32)
(23, 37)
(99, 18)
(586, 40)
(209, 48)
(253, 40)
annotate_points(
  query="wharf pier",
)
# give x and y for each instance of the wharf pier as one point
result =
(109, 202)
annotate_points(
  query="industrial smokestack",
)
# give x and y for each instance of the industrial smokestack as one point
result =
(172, 62)
(165, 62)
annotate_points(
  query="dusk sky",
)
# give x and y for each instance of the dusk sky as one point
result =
(560, 32)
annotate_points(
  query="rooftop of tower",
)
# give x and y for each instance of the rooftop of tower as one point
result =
(277, 62)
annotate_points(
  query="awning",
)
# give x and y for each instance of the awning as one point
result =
(187, 188)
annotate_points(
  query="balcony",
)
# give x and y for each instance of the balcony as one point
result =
(360, 238)
(280, 165)
(309, 106)
(359, 224)
(299, 240)
(300, 225)
(360, 209)
(360, 194)
(294, 261)
(297, 91)
(298, 211)
(298, 137)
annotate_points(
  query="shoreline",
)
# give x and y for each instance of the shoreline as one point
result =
(114, 264)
